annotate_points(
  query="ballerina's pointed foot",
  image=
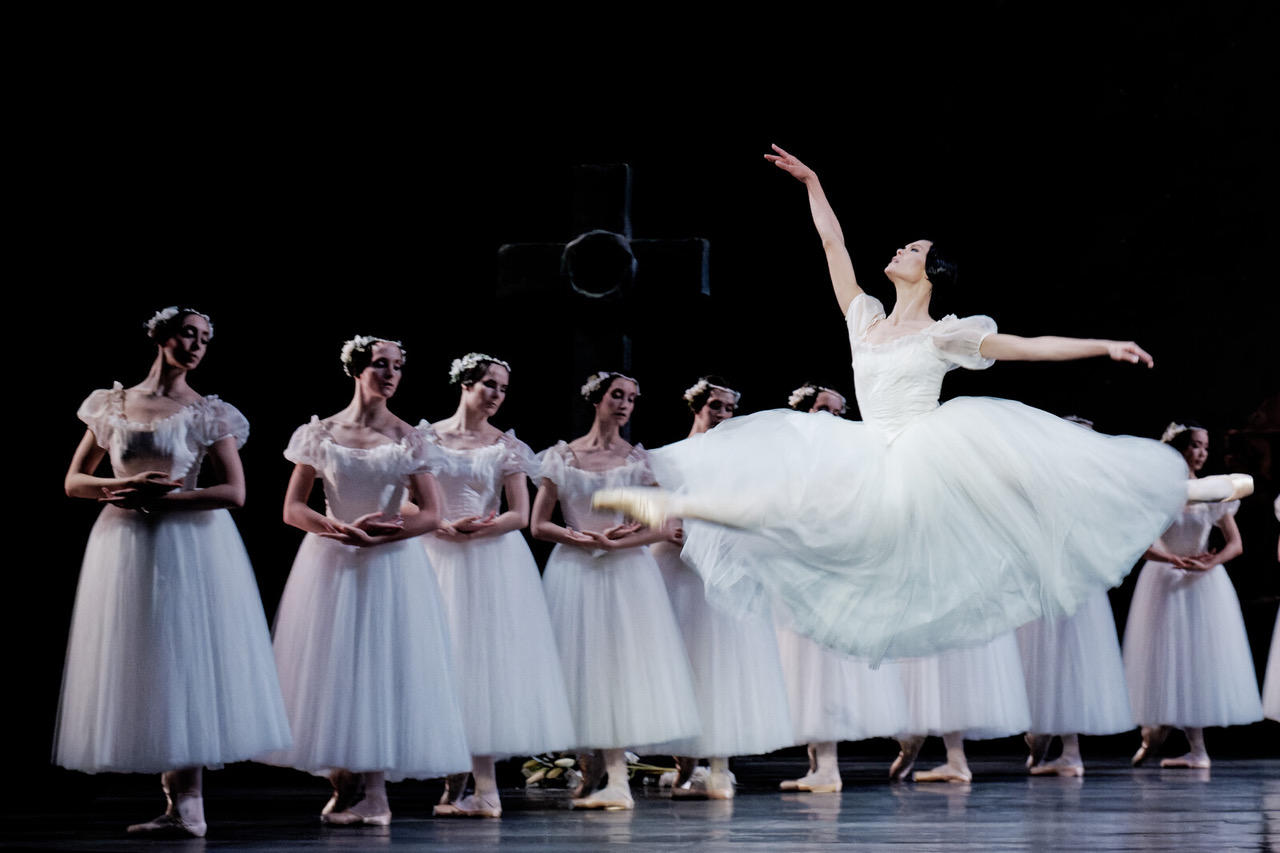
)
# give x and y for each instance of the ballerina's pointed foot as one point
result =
(649, 506)
(1058, 767)
(945, 773)
(611, 798)
(1220, 488)
(470, 806)
(814, 783)
(169, 825)
(1037, 747)
(363, 813)
(908, 751)
(1192, 760)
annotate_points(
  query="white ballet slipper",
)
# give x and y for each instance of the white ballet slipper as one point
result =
(471, 806)
(1220, 488)
(611, 798)
(1192, 761)
(945, 773)
(647, 505)
(1058, 767)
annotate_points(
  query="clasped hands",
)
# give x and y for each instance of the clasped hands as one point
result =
(142, 492)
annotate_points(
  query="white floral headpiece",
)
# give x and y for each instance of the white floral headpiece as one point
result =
(362, 343)
(596, 379)
(164, 315)
(805, 390)
(470, 360)
(702, 385)
(1172, 430)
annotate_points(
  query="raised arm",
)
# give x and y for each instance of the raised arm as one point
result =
(839, 264)
(1049, 348)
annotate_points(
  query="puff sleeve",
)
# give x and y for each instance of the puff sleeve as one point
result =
(517, 457)
(551, 465)
(959, 340)
(306, 446)
(218, 420)
(96, 411)
(864, 310)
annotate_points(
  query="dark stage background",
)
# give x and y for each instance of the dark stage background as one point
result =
(1102, 175)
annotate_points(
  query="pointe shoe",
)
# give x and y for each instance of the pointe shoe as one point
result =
(609, 798)
(1058, 767)
(361, 814)
(645, 504)
(813, 784)
(348, 789)
(1037, 748)
(1152, 737)
(469, 806)
(908, 751)
(170, 826)
(1191, 761)
(944, 773)
(1220, 488)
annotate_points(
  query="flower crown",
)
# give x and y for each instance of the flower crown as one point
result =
(596, 379)
(470, 360)
(702, 385)
(1172, 430)
(164, 315)
(807, 389)
(362, 343)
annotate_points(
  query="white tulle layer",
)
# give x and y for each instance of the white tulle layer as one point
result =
(834, 698)
(514, 700)
(737, 677)
(362, 646)
(980, 516)
(1271, 686)
(624, 662)
(1186, 654)
(978, 691)
(169, 662)
(1074, 675)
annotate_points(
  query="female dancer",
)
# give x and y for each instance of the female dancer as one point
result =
(168, 664)
(513, 693)
(1075, 679)
(737, 678)
(361, 639)
(1271, 681)
(624, 664)
(833, 697)
(1186, 654)
(923, 527)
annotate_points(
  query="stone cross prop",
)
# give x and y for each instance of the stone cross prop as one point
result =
(603, 294)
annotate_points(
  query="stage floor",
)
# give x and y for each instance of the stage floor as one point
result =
(1236, 806)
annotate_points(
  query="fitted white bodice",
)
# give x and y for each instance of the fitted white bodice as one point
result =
(471, 479)
(575, 485)
(1189, 533)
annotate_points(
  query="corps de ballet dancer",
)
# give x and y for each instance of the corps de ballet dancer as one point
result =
(624, 663)
(1271, 681)
(361, 639)
(169, 666)
(924, 526)
(514, 700)
(738, 686)
(1186, 653)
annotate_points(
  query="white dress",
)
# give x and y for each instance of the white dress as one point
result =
(1074, 675)
(361, 639)
(513, 695)
(833, 697)
(978, 691)
(924, 527)
(1186, 654)
(1271, 683)
(169, 661)
(624, 662)
(738, 687)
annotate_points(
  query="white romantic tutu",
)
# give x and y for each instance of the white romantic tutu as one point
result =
(1074, 675)
(1186, 654)
(624, 661)
(362, 647)
(834, 698)
(972, 519)
(169, 662)
(738, 685)
(1271, 686)
(978, 691)
(512, 689)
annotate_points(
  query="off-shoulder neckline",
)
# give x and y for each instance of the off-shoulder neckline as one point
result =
(634, 455)
(323, 427)
(117, 413)
(430, 431)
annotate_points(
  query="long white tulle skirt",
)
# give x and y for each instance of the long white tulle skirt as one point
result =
(738, 686)
(977, 517)
(833, 697)
(978, 691)
(1186, 653)
(362, 645)
(1271, 686)
(169, 661)
(514, 700)
(1074, 674)
(622, 654)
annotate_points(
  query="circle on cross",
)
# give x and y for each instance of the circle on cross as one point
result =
(599, 264)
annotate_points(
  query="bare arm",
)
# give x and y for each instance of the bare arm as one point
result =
(541, 525)
(839, 263)
(1160, 552)
(227, 494)
(296, 512)
(1233, 547)
(477, 527)
(1049, 348)
(80, 481)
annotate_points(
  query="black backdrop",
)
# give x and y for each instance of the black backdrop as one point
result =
(1102, 174)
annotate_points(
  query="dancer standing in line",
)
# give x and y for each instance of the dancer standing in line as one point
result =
(361, 639)
(169, 663)
(923, 527)
(513, 693)
(738, 686)
(1271, 681)
(833, 697)
(1186, 653)
(624, 663)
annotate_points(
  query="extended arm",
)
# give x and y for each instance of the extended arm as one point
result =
(1050, 348)
(839, 263)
